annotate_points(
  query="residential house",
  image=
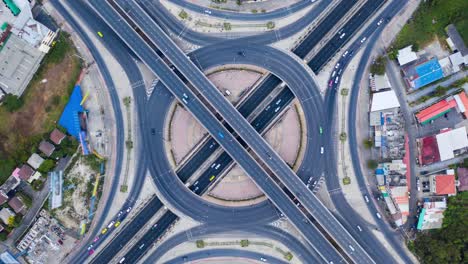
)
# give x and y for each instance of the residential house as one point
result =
(46, 148)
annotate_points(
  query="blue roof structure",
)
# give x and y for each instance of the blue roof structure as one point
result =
(70, 119)
(428, 72)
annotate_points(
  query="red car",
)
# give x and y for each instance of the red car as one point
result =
(330, 83)
(91, 252)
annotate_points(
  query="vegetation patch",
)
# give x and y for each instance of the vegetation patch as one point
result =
(378, 66)
(430, 19)
(25, 121)
(448, 244)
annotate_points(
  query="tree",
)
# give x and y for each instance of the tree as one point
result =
(12, 103)
(372, 164)
(378, 67)
(3, 236)
(200, 243)
(368, 143)
(11, 221)
(440, 91)
(46, 166)
(244, 243)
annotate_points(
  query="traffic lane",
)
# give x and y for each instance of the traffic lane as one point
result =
(348, 30)
(127, 233)
(146, 241)
(324, 27)
(159, 13)
(229, 15)
(225, 253)
(300, 251)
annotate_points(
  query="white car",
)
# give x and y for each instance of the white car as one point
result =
(263, 259)
(277, 109)
(359, 228)
(346, 53)
(321, 150)
(380, 22)
(363, 39)
(378, 215)
(333, 74)
(342, 35)
(366, 198)
(111, 224)
(351, 247)
(217, 166)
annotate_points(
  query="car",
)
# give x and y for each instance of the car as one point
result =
(333, 74)
(263, 259)
(278, 102)
(212, 177)
(330, 83)
(363, 39)
(155, 225)
(128, 209)
(185, 101)
(227, 92)
(213, 165)
(337, 65)
(141, 246)
(217, 166)
(120, 214)
(321, 150)
(95, 239)
(241, 53)
(366, 198)
(321, 130)
(268, 107)
(378, 215)
(380, 22)
(337, 79)
(346, 53)
(153, 131)
(111, 224)
(221, 135)
(196, 189)
(104, 231)
(117, 224)
(351, 247)
(315, 183)
(212, 145)
(359, 228)
(342, 35)
(185, 95)
(340, 71)
(90, 252)
(100, 34)
(195, 184)
(90, 247)
(277, 109)
(121, 260)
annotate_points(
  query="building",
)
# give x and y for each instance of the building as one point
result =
(458, 102)
(3, 197)
(406, 55)
(18, 63)
(444, 185)
(451, 143)
(455, 41)
(422, 74)
(432, 213)
(55, 189)
(462, 174)
(457, 61)
(46, 148)
(57, 136)
(382, 103)
(35, 161)
(443, 146)
(5, 214)
(8, 258)
(17, 205)
(10, 184)
(25, 172)
(379, 83)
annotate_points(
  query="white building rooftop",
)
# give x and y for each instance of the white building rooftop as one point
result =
(450, 141)
(384, 100)
(406, 55)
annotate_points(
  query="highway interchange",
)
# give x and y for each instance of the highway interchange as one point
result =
(248, 57)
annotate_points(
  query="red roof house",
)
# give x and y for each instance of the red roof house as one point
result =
(46, 148)
(57, 136)
(17, 205)
(445, 184)
(25, 172)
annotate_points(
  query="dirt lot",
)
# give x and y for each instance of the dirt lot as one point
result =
(78, 184)
(44, 101)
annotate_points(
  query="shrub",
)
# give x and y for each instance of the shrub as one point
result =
(12, 103)
(200, 243)
(368, 143)
(46, 166)
(244, 243)
(372, 164)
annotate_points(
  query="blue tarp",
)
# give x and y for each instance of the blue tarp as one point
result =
(70, 119)
(428, 72)
(379, 171)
